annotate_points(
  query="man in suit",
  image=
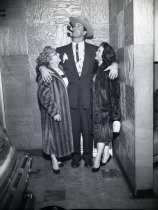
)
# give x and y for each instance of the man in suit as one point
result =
(78, 62)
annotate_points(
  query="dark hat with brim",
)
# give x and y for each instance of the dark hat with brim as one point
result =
(85, 23)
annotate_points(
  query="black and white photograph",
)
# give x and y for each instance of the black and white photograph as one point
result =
(78, 104)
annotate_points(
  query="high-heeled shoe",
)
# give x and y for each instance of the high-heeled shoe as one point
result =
(56, 171)
(108, 160)
(95, 169)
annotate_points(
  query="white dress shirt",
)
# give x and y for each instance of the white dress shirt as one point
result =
(81, 53)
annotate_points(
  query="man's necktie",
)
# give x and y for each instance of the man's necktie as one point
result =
(77, 55)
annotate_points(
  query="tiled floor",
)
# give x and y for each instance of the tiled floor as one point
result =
(81, 189)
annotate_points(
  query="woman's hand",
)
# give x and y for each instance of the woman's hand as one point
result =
(113, 70)
(57, 117)
(46, 74)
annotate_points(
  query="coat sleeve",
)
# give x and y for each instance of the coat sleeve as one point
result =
(114, 94)
(46, 98)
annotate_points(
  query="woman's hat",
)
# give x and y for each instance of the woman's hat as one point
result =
(84, 21)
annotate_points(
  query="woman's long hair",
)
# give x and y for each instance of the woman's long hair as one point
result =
(108, 56)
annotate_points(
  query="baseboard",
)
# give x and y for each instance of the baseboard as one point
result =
(145, 193)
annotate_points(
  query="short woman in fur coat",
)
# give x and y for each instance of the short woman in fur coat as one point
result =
(57, 140)
(106, 109)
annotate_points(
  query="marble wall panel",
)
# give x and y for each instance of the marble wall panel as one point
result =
(40, 36)
(14, 14)
(144, 158)
(129, 102)
(155, 76)
(97, 11)
(123, 100)
(143, 79)
(125, 147)
(144, 85)
(113, 11)
(14, 4)
(135, 36)
(120, 59)
(155, 31)
(2, 114)
(50, 12)
(129, 65)
(126, 2)
(13, 40)
(128, 165)
(17, 101)
(143, 22)
(101, 33)
(127, 132)
(113, 32)
(120, 5)
(128, 25)
(36, 112)
(120, 24)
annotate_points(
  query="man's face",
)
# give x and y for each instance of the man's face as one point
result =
(78, 31)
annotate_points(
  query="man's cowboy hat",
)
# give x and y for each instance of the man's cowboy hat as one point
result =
(84, 22)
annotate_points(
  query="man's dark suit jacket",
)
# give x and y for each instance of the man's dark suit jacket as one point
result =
(79, 87)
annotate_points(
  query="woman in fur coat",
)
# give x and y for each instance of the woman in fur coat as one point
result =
(57, 140)
(106, 109)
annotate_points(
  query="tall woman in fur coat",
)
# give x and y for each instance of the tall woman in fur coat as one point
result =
(57, 140)
(106, 109)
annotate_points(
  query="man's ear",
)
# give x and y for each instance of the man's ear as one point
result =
(85, 32)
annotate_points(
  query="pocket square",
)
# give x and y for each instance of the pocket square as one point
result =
(65, 57)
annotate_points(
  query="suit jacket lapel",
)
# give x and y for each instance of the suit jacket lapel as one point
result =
(72, 60)
(86, 60)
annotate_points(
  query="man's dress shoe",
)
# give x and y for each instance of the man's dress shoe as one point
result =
(56, 171)
(88, 163)
(95, 169)
(75, 164)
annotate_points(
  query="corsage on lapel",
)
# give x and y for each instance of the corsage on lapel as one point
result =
(65, 57)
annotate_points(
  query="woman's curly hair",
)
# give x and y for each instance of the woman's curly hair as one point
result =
(109, 55)
(44, 57)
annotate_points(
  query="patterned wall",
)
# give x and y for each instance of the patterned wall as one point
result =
(29, 25)
(131, 33)
(121, 38)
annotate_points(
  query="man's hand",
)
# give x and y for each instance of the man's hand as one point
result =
(113, 70)
(57, 117)
(46, 74)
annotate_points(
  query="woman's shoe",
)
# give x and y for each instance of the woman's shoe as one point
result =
(56, 171)
(56, 165)
(95, 169)
(103, 164)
